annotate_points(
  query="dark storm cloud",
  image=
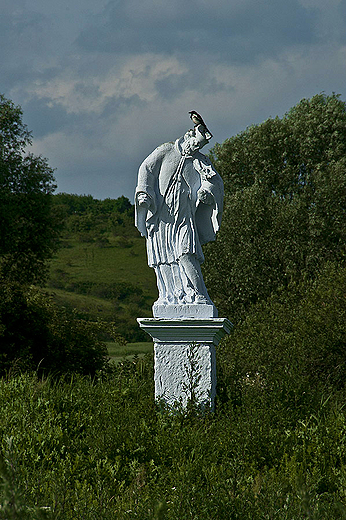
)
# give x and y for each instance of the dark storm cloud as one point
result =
(171, 86)
(116, 105)
(24, 45)
(20, 29)
(94, 77)
(44, 116)
(342, 15)
(236, 32)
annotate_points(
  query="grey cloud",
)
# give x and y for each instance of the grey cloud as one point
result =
(97, 142)
(342, 15)
(117, 105)
(197, 78)
(24, 46)
(236, 33)
(21, 34)
(172, 86)
(44, 117)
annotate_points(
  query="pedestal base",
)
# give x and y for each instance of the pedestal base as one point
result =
(187, 310)
(185, 365)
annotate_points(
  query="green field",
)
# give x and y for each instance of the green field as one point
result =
(129, 351)
(123, 260)
(111, 283)
(88, 449)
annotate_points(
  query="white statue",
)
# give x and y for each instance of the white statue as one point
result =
(179, 200)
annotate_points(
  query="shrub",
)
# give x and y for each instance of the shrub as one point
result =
(291, 343)
(284, 217)
(86, 449)
(34, 331)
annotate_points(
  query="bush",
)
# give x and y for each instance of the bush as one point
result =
(29, 224)
(35, 332)
(88, 449)
(291, 343)
(284, 217)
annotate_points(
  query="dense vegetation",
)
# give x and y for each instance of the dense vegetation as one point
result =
(33, 330)
(85, 449)
(101, 268)
(95, 446)
(29, 229)
(285, 192)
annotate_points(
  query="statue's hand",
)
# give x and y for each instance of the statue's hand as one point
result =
(205, 196)
(143, 200)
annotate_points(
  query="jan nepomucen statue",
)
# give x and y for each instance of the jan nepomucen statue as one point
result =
(179, 199)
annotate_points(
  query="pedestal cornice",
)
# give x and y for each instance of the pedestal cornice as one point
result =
(187, 330)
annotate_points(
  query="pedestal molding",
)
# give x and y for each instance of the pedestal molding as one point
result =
(179, 344)
(187, 330)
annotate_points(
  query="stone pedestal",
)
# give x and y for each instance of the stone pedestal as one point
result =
(185, 365)
(187, 310)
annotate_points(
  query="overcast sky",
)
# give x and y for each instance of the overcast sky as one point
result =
(103, 82)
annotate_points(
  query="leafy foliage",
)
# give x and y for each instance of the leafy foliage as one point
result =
(35, 332)
(29, 228)
(285, 187)
(87, 449)
(291, 346)
(92, 219)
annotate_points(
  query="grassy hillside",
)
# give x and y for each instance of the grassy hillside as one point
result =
(101, 268)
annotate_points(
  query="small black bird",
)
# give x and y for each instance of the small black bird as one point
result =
(198, 120)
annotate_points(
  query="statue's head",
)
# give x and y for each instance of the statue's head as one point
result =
(194, 140)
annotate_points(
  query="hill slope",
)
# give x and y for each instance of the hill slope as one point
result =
(101, 267)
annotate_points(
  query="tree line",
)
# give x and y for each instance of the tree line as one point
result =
(277, 269)
(283, 229)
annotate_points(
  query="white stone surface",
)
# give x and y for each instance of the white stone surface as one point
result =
(185, 373)
(178, 203)
(188, 310)
(178, 208)
(185, 365)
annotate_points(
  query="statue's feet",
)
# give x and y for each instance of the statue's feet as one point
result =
(179, 297)
(161, 301)
(201, 299)
(185, 299)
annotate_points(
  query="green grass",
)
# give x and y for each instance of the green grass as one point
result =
(90, 305)
(87, 262)
(90, 449)
(83, 267)
(119, 352)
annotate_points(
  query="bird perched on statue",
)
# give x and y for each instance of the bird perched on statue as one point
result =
(197, 120)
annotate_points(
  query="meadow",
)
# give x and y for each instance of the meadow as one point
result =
(130, 351)
(100, 269)
(88, 449)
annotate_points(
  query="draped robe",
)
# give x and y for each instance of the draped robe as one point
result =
(177, 222)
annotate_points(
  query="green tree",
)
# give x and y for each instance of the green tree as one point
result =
(35, 332)
(29, 229)
(285, 192)
(291, 346)
(32, 329)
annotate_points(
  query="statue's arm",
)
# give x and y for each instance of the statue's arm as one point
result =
(145, 191)
(146, 196)
(143, 200)
(211, 189)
